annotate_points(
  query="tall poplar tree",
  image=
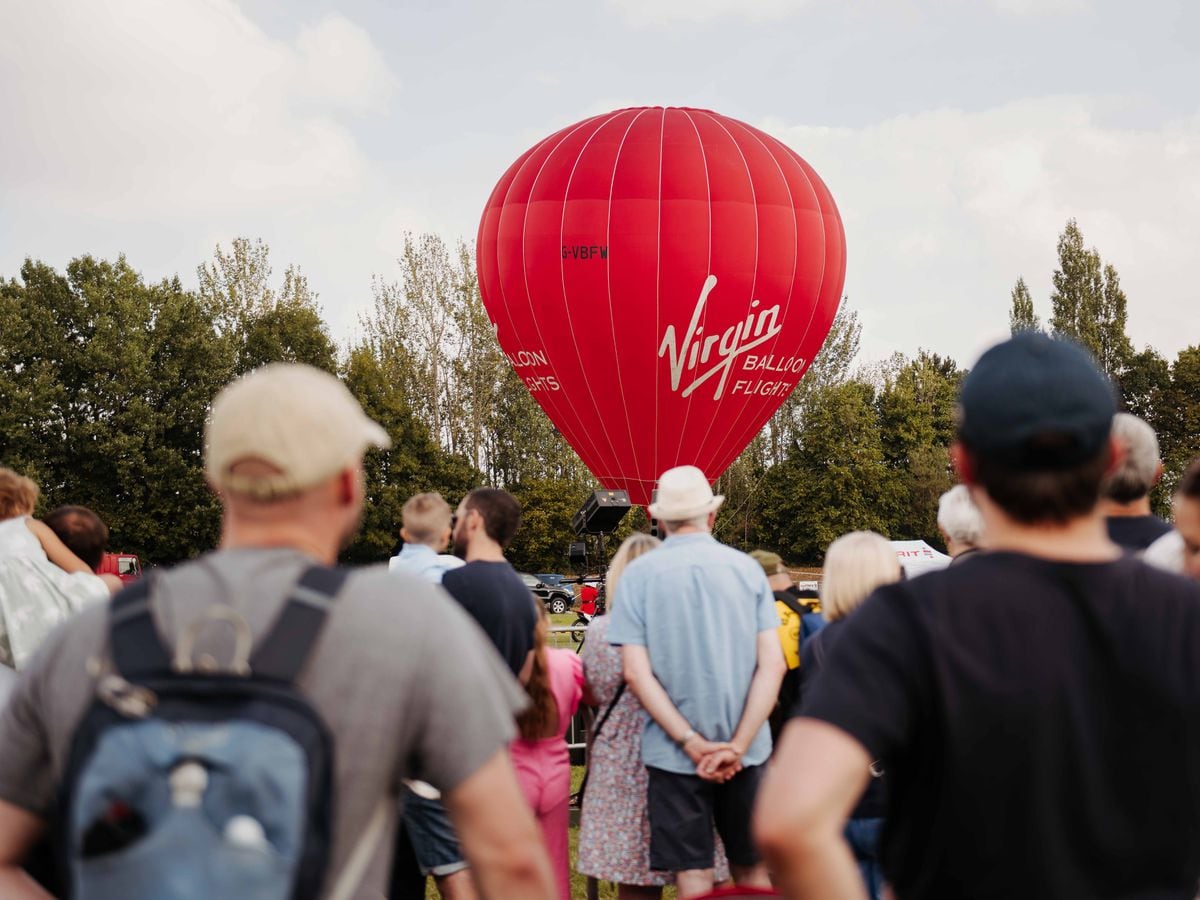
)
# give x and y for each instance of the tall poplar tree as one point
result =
(1088, 303)
(1022, 317)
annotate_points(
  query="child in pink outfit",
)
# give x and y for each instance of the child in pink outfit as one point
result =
(543, 764)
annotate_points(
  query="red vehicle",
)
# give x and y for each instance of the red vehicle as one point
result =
(126, 566)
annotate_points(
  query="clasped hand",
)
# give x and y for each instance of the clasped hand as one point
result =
(715, 761)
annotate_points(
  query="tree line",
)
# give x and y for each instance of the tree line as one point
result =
(106, 379)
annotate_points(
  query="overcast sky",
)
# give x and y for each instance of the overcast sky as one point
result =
(957, 136)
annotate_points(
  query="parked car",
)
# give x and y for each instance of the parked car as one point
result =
(549, 579)
(126, 566)
(557, 599)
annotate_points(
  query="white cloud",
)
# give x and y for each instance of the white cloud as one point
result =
(665, 13)
(1039, 7)
(669, 12)
(145, 108)
(945, 209)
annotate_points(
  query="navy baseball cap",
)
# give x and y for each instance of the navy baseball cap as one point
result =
(1036, 402)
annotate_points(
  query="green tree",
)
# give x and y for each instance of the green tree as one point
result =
(106, 383)
(837, 480)
(414, 463)
(1088, 303)
(916, 417)
(831, 365)
(1178, 424)
(264, 325)
(1022, 317)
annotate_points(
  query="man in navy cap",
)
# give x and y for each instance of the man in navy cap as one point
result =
(1036, 709)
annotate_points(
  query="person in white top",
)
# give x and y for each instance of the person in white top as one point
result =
(1179, 550)
(42, 583)
(426, 525)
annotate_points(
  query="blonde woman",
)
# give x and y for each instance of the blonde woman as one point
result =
(614, 837)
(855, 565)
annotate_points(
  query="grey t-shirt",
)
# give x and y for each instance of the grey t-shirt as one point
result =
(406, 681)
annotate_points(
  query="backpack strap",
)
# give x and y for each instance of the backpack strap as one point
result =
(138, 651)
(792, 603)
(284, 651)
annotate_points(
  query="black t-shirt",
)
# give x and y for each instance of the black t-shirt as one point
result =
(1039, 723)
(494, 594)
(1136, 532)
(872, 804)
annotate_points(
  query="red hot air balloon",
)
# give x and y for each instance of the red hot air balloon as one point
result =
(660, 279)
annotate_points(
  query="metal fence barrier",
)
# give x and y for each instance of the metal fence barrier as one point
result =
(571, 637)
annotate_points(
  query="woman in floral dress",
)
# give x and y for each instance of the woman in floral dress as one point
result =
(614, 837)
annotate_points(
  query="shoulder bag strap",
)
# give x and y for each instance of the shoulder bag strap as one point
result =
(595, 733)
(355, 869)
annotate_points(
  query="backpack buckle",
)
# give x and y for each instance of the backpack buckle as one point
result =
(130, 700)
(243, 638)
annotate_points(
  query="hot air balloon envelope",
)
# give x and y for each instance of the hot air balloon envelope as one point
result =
(660, 279)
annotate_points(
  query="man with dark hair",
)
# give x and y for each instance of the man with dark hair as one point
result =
(1126, 504)
(487, 586)
(1034, 707)
(82, 531)
(491, 591)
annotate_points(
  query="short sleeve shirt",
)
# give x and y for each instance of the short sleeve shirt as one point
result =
(1039, 723)
(697, 607)
(406, 683)
(496, 597)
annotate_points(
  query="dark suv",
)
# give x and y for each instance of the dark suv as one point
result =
(557, 599)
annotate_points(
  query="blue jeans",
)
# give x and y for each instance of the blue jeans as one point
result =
(433, 839)
(863, 837)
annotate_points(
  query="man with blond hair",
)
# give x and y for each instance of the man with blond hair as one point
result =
(283, 450)
(426, 525)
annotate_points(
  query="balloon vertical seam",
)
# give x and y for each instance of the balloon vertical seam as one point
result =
(612, 184)
(614, 458)
(754, 278)
(708, 206)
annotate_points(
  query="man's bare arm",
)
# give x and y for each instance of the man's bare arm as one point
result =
(499, 835)
(815, 779)
(764, 689)
(639, 675)
(19, 831)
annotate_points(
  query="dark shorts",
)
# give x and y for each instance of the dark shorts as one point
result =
(434, 842)
(683, 810)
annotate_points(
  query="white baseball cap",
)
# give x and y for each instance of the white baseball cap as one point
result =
(301, 421)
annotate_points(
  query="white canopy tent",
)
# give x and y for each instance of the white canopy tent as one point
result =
(917, 557)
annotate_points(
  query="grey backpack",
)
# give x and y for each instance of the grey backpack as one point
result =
(185, 784)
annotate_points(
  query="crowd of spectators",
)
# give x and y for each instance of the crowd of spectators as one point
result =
(1018, 724)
